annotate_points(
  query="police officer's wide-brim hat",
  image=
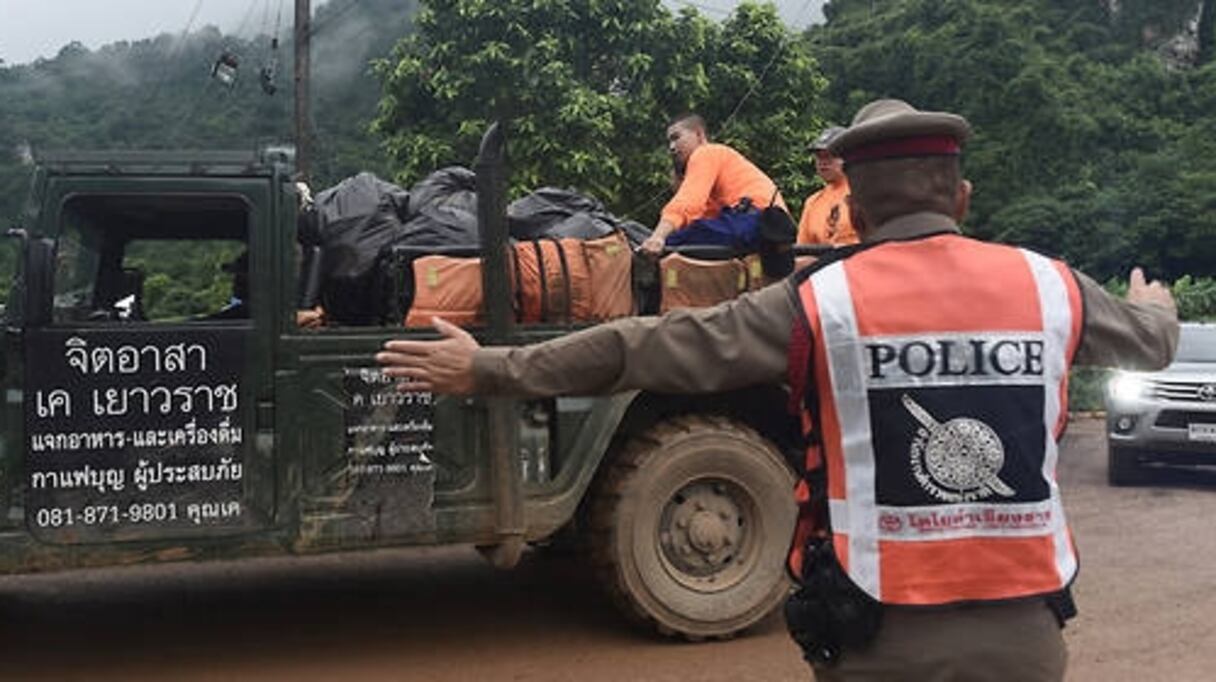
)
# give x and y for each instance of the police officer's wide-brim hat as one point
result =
(892, 128)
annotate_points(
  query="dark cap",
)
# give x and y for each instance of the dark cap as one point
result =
(892, 128)
(825, 138)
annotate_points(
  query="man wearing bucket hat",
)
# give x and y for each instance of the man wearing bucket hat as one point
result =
(929, 369)
(825, 215)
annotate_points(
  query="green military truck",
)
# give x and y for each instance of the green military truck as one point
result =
(127, 437)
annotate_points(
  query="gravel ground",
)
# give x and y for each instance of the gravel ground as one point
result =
(1147, 595)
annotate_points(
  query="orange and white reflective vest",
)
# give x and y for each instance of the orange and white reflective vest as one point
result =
(939, 369)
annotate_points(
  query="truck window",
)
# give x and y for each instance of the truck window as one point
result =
(174, 259)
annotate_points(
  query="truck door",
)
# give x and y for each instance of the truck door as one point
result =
(381, 465)
(143, 379)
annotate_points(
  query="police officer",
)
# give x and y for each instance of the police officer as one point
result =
(933, 365)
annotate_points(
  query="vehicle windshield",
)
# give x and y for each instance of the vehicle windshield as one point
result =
(150, 258)
(1196, 344)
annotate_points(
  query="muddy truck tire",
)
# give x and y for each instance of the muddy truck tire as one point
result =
(690, 525)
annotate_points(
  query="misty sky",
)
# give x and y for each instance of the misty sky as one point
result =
(30, 29)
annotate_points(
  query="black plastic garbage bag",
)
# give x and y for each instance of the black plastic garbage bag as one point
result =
(443, 209)
(558, 213)
(359, 196)
(356, 219)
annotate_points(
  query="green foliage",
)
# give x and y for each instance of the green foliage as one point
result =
(156, 94)
(1087, 388)
(587, 89)
(183, 279)
(1087, 144)
(1153, 21)
(1196, 298)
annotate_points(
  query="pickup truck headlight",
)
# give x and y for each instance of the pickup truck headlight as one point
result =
(1126, 387)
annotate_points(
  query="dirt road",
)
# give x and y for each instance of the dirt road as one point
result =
(1147, 595)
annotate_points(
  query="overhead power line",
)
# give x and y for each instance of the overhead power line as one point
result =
(785, 40)
(174, 50)
(240, 29)
(777, 51)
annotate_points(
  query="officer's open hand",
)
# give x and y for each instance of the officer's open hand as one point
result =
(441, 366)
(1140, 291)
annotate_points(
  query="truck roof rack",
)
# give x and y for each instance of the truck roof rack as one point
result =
(166, 162)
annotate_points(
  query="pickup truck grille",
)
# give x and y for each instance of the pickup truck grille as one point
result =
(1176, 390)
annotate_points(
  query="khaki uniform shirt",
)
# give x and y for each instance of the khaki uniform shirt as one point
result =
(745, 341)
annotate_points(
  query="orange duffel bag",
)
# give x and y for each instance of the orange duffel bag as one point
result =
(610, 265)
(693, 283)
(449, 287)
(756, 279)
(552, 282)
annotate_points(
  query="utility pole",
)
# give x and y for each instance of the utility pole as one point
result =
(303, 129)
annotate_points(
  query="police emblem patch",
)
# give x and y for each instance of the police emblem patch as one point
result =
(958, 460)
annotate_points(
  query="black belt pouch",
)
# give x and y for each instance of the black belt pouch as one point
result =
(828, 612)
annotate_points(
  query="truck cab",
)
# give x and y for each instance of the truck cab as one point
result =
(139, 426)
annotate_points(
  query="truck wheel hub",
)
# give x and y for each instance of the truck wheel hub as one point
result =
(706, 532)
(703, 530)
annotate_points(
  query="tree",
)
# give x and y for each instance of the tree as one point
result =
(1087, 145)
(155, 94)
(587, 89)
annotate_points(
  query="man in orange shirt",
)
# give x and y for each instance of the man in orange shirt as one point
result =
(718, 189)
(825, 215)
